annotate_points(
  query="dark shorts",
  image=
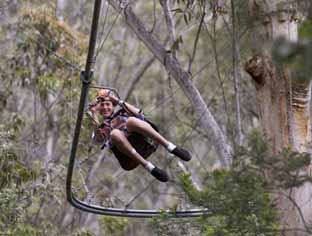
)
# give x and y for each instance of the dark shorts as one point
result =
(108, 143)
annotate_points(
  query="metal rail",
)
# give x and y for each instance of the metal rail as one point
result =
(86, 78)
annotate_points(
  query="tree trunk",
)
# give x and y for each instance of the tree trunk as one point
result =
(60, 6)
(283, 102)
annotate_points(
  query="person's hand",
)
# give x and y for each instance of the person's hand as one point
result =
(91, 113)
(93, 117)
(92, 106)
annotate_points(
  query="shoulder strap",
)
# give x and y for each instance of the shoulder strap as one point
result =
(117, 113)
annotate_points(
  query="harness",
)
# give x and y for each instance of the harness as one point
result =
(108, 121)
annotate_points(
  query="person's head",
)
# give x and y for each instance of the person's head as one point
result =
(105, 104)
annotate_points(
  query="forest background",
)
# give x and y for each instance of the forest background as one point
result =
(194, 86)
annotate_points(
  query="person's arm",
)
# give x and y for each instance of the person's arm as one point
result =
(97, 135)
(136, 111)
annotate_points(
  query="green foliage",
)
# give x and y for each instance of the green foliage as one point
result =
(239, 203)
(165, 225)
(22, 229)
(32, 61)
(48, 85)
(83, 233)
(12, 170)
(112, 226)
(283, 169)
(305, 30)
(239, 199)
(14, 174)
(11, 208)
(31, 72)
(20, 191)
(296, 55)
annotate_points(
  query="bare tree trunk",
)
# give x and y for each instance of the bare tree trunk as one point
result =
(60, 6)
(283, 103)
(169, 20)
(52, 133)
(236, 74)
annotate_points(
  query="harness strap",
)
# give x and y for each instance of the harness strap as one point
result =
(107, 122)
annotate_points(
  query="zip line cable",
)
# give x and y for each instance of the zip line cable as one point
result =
(104, 23)
(108, 33)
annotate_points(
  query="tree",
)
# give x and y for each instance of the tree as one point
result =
(43, 87)
(283, 100)
(284, 103)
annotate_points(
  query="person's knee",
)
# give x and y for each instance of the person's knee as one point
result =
(116, 136)
(132, 123)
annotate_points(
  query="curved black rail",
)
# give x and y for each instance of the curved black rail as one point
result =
(86, 77)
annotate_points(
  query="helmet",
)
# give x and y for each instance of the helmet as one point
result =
(102, 93)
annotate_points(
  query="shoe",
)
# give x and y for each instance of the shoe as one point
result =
(182, 153)
(159, 174)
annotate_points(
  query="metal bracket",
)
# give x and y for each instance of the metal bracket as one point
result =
(85, 78)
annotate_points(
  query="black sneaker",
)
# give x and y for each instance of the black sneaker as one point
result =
(182, 153)
(159, 174)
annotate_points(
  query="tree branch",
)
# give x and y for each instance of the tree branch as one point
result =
(236, 74)
(196, 42)
(169, 20)
(136, 78)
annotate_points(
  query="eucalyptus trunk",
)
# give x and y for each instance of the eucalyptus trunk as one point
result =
(283, 102)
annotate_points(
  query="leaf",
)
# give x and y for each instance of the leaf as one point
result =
(305, 30)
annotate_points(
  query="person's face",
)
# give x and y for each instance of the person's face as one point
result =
(106, 108)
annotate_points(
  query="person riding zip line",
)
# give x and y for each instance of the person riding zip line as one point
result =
(115, 130)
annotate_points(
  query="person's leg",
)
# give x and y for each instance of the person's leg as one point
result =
(121, 142)
(142, 127)
(119, 139)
